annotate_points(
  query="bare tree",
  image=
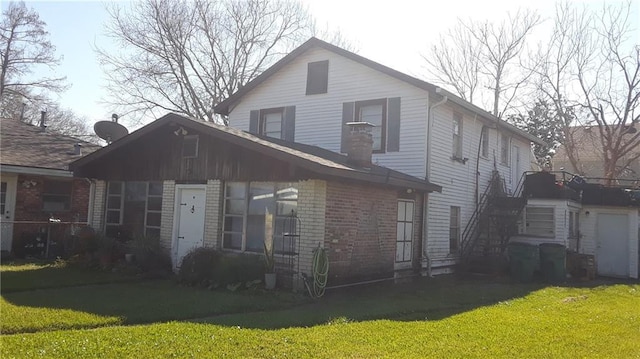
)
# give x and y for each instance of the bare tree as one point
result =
(187, 56)
(593, 65)
(480, 55)
(24, 46)
(455, 61)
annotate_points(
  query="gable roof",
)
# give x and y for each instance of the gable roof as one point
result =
(26, 145)
(312, 158)
(224, 107)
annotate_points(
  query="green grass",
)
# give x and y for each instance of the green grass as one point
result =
(601, 322)
(442, 317)
(125, 303)
(29, 276)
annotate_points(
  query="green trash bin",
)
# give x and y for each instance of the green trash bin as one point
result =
(553, 258)
(523, 259)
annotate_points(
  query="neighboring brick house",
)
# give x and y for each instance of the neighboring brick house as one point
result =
(195, 184)
(39, 193)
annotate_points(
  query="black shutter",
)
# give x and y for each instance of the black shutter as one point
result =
(347, 116)
(254, 121)
(393, 124)
(289, 123)
(317, 77)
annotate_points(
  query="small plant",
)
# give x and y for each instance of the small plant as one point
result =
(269, 260)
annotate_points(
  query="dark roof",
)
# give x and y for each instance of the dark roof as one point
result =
(224, 107)
(312, 158)
(26, 145)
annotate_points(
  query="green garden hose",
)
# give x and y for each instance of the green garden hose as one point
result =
(320, 269)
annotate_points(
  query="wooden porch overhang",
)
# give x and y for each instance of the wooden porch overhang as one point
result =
(154, 152)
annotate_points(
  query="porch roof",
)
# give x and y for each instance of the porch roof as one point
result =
(311, 158)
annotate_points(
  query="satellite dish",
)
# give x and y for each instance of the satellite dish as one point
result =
(109, 130)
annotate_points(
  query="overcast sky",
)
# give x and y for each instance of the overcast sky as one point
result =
(393, 32)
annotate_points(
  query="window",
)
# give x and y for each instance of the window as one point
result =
(190, 146)
(253, 210)
(504, 150)
(454, 229)
(56, 196)
(457, 135)
(317, 77)
(383, 113)
(375, 113)
(404, 239)
(133, 209)
(271, 122)
(574, 229)
(539, 221)
(3, 197)
(484, 139)
(276, 122)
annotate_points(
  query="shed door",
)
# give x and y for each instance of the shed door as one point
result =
(7, 207)
(612, 247)
(190, 221)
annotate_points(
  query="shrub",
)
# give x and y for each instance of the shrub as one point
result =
(198, 267)
(209, 268)
(149, 256)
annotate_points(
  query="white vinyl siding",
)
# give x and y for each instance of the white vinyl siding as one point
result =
(319, 118)
(539, 221)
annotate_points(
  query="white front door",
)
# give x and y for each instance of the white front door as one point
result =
(190, 215)
(7, 207)
(612, 246)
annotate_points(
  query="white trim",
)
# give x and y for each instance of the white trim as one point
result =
(35, 171)
(176, 217)
(10, 206)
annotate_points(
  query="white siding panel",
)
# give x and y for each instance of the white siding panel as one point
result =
(319, 117)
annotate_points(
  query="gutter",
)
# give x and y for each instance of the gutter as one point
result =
(425, 226)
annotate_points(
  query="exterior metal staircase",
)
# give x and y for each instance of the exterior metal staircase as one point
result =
(486, 235)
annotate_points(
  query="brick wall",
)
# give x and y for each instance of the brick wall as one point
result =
(311, 212)
(166, 219)
(29, 200)
(360, 232)
(212, 224)
(29, 208)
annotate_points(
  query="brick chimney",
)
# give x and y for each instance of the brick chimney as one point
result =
(360, 143)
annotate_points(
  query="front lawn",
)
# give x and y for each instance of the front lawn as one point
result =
(553, 322)
(21, 276)
(125, 303)
(433, 317)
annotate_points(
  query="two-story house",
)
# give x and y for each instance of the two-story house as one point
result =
(420, 129)
(297, 165)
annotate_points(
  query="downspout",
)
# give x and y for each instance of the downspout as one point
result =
(482, 132)
(425, 202)
(92, 195)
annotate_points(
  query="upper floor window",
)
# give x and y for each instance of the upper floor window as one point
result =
(278, 122)
(383, 113)
(56, 196)
(190, 146)
(504, 149)
(457, 135)
(271, 122)
(375, 113)
(317, 77)
(484, 139)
